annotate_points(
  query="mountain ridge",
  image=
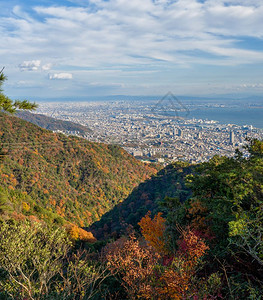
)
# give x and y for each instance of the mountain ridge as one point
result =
(53, 124)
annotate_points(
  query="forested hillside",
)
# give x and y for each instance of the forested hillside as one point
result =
(169, 182)
(57, 178)
(202, 240)
(208, 246)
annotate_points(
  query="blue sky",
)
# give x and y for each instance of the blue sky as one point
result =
(131, 47)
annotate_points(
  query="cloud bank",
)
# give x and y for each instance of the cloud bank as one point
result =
(32, 65)
(60, 76)
(135, 36)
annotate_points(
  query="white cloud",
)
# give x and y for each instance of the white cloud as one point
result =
(132, 36)
(137, 32)
(34, 65)
(252, 85)
(30, 65)
(61, 76)
(46, 67)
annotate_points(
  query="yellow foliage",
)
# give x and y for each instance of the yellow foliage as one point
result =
(153, 231)
(25, 206)
(73, 232)
(86, 236)
(77, 233)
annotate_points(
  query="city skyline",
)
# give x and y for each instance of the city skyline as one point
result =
(99, 48)
(152, 135)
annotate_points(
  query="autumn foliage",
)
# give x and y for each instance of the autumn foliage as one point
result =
(63, 179)
(177, 279)
(153, 231)
(143, 268)
(77, 233)
(134, 263)
(191, 247)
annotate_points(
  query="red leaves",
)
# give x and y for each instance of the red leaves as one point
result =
(160, 275)
(134, 263)
(191, 246)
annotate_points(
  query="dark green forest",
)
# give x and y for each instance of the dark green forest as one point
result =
(149, 195)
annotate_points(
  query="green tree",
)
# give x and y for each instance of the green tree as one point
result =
(246, 230)
(30, 256)
(9, 105)
(38, 262)
(5, 204)
(226, 208)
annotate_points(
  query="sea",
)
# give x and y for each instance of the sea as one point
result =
(230, 115)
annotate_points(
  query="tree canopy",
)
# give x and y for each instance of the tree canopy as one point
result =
(9, 105)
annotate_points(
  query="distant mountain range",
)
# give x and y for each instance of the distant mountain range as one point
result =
(52, 123)
(226, 97)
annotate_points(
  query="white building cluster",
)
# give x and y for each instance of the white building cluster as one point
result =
(150, 136)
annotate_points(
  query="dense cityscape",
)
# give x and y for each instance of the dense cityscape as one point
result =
(154, 132)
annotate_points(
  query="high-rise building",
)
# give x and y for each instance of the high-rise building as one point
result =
(232, 138)
(180, 132)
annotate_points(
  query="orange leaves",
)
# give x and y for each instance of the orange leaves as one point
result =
(134, 263)
(21, 161)
(153, 231)
(60, 211)
(86, 236)
(174, 284)
(33, 219)
(35, 152)
(18, 216)
(191, 246)
(77, 233)
(4, 177)
(13, 180)
(52, 201)
(173, 280)
(143, 275)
